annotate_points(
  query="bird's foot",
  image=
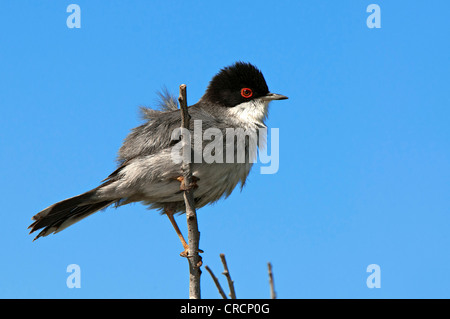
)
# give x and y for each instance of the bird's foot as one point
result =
(192, 185)
(185, 253)
(200, 259)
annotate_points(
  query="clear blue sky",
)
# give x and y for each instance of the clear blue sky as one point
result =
(364, 172)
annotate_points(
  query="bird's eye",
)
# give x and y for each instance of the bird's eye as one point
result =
(246, 92)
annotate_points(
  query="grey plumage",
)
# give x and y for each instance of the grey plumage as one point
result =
(147, 172)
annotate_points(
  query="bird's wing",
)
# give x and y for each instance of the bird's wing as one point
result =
(151, 137)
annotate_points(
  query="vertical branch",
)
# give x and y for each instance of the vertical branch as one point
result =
(227, 274)
(273, 295)
(193, 257)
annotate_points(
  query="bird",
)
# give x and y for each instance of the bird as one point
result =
(236, 97)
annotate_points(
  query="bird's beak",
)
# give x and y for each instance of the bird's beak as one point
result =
(274, 96)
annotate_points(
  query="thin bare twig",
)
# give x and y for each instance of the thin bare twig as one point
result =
(194, 259)
(227, 274)
(216, 281)
(273, 295)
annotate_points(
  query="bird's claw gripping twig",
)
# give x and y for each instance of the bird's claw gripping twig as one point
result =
(185, 253)
(192, 185)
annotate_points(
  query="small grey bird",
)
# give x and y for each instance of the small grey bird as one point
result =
(237, 97)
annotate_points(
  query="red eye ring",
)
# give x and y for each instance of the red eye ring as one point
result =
(246, 92)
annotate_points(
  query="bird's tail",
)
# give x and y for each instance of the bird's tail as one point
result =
(61, 215)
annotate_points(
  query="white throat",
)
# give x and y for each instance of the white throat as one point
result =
(250, 113)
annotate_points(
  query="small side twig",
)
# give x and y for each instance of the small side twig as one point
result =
(273, 295)
(194, 258)
(227, 275)
(216, 281)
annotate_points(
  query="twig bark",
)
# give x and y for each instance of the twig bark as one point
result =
(273, 295)
(216, 281)
(227, 274)
(194, 259)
